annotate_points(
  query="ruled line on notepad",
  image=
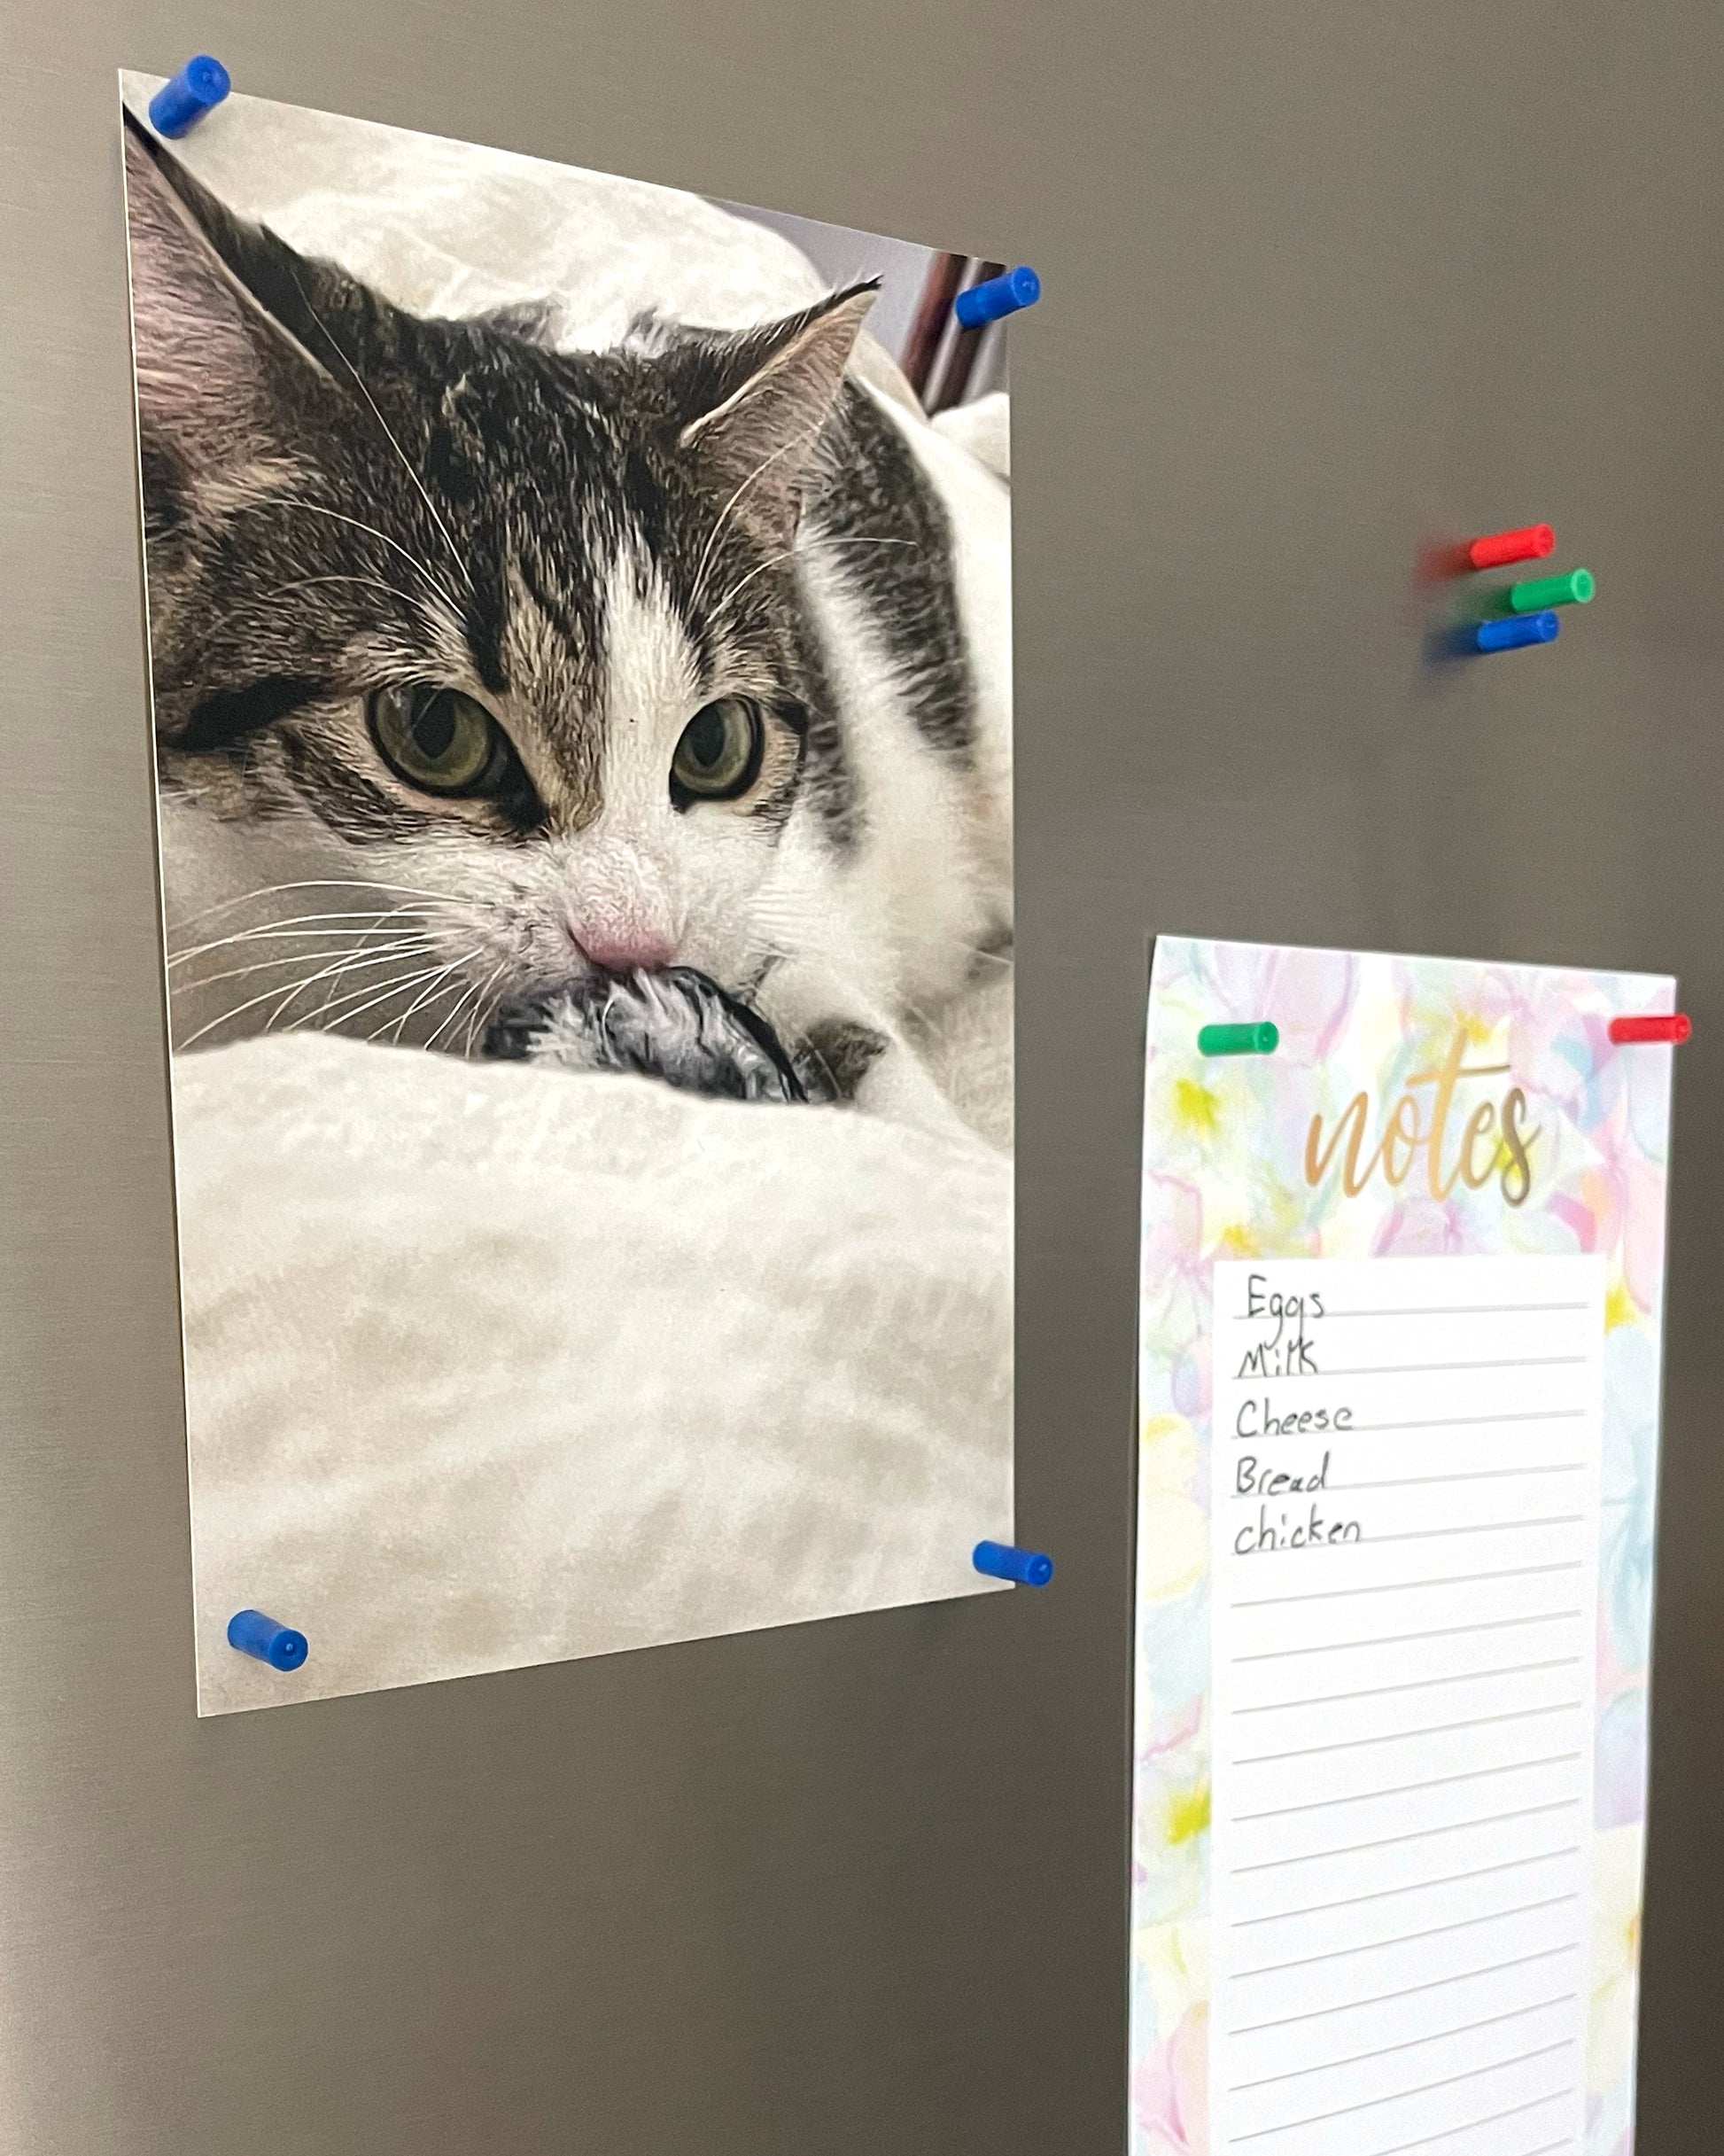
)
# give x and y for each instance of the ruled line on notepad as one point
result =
(1457, 1422)
(1397, 2096)
(1388, 1841)
(1416, 1885)
(1382, 1999)
(1398, 1639)
(1402, 1736)
(1437, 1781)
(1417, 1683)
(1512, 1362)
(1373, 1946)
(1477, 1527)
(1471, 1475)
(1358, 2058)
(1457, 1579)
(1429, 2141)
(1455, 1310)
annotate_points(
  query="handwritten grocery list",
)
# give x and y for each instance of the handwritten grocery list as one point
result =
(1402, 1292)
(1404, 1556)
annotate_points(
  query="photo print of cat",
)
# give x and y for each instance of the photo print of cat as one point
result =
(582, 705)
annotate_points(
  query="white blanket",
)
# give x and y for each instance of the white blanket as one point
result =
(490, 1365)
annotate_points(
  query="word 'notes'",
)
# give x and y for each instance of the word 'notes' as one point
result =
(1405, 1525)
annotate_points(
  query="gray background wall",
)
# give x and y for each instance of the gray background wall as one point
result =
(1320, 278)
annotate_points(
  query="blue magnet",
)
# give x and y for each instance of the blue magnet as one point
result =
(261, 1637)
(999, 296)
(1518, 629)
(1000, 1562)
(179, 104)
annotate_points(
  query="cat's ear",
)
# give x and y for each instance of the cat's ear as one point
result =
(221, 324)
(765, 394)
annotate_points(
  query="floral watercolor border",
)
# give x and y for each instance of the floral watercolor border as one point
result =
(1220, 1139)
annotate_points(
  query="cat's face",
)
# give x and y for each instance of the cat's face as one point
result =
(511, 632)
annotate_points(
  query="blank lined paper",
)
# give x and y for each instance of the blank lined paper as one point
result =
(1405, 1527)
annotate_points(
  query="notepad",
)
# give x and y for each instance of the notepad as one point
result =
(1399, 1326)
(1405, 1548)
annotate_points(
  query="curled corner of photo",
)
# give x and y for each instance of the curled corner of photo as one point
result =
(325, 181)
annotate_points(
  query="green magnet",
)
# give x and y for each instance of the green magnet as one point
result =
(1259, 1039)
(1538, 592)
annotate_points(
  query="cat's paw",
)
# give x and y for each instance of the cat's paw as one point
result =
(675, 1024)
(865, 1059)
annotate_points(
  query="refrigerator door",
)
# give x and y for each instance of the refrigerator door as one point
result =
(1325, 288)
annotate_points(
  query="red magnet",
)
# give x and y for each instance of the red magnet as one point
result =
(1673, 1028)
(1531, 543)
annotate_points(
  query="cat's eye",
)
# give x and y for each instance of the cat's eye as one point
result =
(719, 756)
(439, 739)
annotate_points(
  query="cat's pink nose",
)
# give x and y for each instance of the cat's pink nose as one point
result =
(623, 947)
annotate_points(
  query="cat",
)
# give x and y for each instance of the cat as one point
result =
(492, 681)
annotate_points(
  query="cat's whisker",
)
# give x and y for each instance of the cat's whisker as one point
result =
(346, 920)
(803, 543)
(995, 953)
(428, 995)
(436, 993)
(477, 993)
(796, 442)
(381, 923)
(333, 977)
(335, 883)
(371, 583)
(759, 569)
(804, 540)
(327, 1009)
(359, 384)
(916, 1015)
(347, 962)
(482, 1010)
(395, 547)
(191, 985)
(466, 996)
(393, 925)
(841, 538)
(774, 913)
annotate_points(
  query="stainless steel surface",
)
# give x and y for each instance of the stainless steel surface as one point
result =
(1319, 278)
